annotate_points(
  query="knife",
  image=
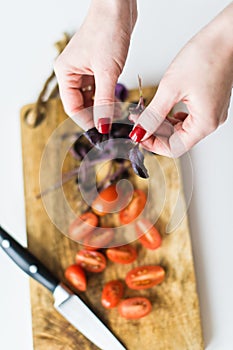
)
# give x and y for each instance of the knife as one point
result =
(69, 305)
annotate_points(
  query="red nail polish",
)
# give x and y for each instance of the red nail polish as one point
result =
(137, 133)
(104, 125)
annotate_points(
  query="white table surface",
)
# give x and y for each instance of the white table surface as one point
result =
(28, 31)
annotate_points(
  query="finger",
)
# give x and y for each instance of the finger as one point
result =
(70, 94)
(75, 101)
(84, 117)
(133, 117)
(104, 102)
(153, 116)
(159, 141)
(157, 144)
(166, 129)
(180, 116)
(68, 83)
(174, 119)
(188, 133)
(177, 117)
(88, 90)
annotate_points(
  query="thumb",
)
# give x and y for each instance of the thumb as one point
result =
(104, 102)
(155, 113)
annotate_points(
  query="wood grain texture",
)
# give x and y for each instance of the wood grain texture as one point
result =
(174, 323)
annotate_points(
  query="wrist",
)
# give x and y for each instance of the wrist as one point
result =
(227, 25)
(118, 10)
(222, 27)
(215, 42)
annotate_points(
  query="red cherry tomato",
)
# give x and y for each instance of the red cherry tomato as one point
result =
(82, 226)
(134, 308)
(100, 238)
(148, 235)
(125, 254)
(144, 277)
(91, 261)
(76, 276)
(112, 294)
(106, 201)
(134, 208)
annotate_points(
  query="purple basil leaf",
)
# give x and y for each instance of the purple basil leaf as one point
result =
(121, 92)
(136, 158)
(87, 176)
(121, 130)
(80, 148)
(94, 137)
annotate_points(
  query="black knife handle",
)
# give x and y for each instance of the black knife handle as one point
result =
(26, 261)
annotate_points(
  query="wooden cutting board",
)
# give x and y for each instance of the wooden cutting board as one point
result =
(174, 323)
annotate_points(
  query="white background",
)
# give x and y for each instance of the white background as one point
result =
(28, 31)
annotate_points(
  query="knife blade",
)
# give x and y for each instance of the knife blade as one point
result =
(69, 305)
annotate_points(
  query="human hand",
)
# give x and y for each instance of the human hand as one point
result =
(94, 59)
(201, 76)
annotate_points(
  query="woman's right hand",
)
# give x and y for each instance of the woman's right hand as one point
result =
(201, 76)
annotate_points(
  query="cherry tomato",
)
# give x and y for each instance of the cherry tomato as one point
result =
(83, 225)
(112, 294)
(134, 308)
(100, 238)
(134, 208)
(148, 235)
(106, 201)
(144, 277)
(76, 276)
(125, 254)
(91, 261)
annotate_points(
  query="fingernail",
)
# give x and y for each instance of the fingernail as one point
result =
(137, 133)
(104, 125)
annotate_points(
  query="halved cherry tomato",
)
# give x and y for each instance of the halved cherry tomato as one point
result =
(112, 294)
(76, 276)
(144, 277)
(106, 202)
(148, 235)
(134, 308)
(125, 254)
(91, 261)
(82, 226)
(100, 238)
(134, 208)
